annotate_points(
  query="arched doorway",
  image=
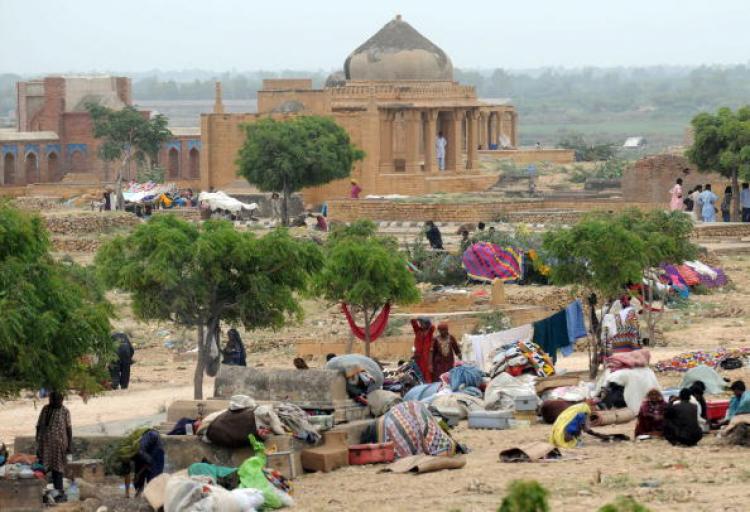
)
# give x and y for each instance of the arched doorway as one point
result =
(173, 164)
(32, 168)
(9, 167)
(194, 160)
(53, 167)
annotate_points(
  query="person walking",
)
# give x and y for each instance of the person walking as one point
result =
(726, 205)
(708, 204)
(119, 369)
(745, 202)
(675, 204)
(440, 144)
(54, 440)
(276, 208)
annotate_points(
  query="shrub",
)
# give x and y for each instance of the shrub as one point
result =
(525, 496)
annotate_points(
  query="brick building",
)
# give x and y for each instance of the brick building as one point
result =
(395, 95)
(54, 141)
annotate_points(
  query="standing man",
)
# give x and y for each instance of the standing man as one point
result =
(440, 144)
(745, 202)
(708, 206)
(119, 369)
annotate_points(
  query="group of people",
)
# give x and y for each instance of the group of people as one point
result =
(701, 201)
(434, 354)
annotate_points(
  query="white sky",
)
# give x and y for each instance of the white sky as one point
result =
(44, 36)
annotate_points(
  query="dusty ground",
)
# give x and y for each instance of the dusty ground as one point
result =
(709, 477)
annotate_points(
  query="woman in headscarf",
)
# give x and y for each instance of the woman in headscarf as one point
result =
(675, 204)
(54, 439)
(444, 346)
(423, 333)
(651, 415)
(234, 352)
(681, 425)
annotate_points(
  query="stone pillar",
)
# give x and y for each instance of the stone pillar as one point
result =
(482, 130)
(430, 136)
(453, 157)
(386, 141)
(218, 99)
(412, 118)
(472, 129)
(513, 129)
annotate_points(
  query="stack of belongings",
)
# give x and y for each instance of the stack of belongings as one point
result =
(625, 382)
(711, 358)
(521, 357)
(402, 379)
(211, 488)
(692, 273)
(146, 192)
(540, 340)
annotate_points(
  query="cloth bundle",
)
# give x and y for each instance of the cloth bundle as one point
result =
(611, 417)
(465, 376)
(295, 419)
(504, 389)
(481, 349)
(635, 359)
(520, 357)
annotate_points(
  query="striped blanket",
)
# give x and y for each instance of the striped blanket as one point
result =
(413, 430)
(485, 261)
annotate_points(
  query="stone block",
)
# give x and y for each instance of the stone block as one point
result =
(21, 495)
(310, 388)
(91, 470)
(332, 455)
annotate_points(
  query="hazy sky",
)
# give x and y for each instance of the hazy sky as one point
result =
(42, 36)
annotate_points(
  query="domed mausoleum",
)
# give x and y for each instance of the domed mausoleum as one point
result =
(398, 52)
(395, 96)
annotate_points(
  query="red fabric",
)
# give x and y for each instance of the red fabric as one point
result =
(376, 327)
(423, 348)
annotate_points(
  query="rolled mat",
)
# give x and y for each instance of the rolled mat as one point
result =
(611, 417)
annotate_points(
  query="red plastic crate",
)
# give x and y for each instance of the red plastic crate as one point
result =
(376, 453)
(717, 409)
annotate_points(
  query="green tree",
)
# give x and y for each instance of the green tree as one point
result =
(721, 143)
(525, 496)
(52, 314)
(366, 272)
(604, 252)
(128, 134)
(287, 156)
(199, 276)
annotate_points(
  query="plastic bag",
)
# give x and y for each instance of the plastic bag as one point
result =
(252, 477)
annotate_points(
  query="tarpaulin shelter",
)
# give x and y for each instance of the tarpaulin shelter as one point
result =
(485, 261)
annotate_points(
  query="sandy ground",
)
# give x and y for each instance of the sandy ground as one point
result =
(709, 477)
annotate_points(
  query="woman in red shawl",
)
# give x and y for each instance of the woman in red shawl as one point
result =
(651, 416)
(444, 347)
(423, 331)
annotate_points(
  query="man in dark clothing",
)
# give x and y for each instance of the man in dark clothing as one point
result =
(433, 235)
(119, 369)
(681, 421)
(149, 461)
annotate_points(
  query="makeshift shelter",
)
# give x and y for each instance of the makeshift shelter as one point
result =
(221, 201)
(485, 261)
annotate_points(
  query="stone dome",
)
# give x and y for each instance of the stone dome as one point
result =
(398, 52)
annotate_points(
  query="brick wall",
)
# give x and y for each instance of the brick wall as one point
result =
(650, 179)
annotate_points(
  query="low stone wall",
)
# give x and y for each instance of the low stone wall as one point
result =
(722, 230)
(539, 210)
(40, 203)
(531, 156)
(76, 244)
(68, 223)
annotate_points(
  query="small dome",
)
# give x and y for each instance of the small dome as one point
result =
(336, 79)
(398, 52)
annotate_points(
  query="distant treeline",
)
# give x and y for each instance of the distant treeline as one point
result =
(574, 95)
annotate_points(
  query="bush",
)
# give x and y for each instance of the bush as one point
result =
(525, 496)
(624, 504)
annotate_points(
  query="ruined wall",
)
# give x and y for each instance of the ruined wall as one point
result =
(650, 179)
(79, 223)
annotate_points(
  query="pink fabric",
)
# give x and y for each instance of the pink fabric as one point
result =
(355, 191)
(634, 359)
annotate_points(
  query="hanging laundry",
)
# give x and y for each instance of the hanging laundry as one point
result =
(377, 327)
(552, 333)
(574, 317)
(621, 332)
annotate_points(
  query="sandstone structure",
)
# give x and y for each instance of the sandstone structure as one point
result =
(53, 146)
(395, 95)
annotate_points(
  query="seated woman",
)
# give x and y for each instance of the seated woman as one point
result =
(569, 426)
(234, 352)
(651, 415)
(681, 426)
(413, 430)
